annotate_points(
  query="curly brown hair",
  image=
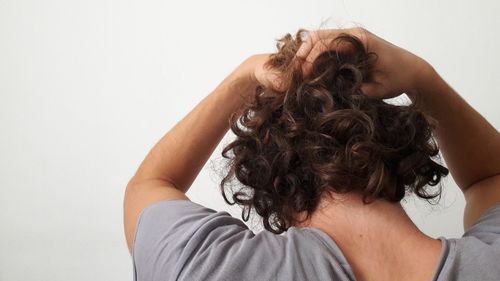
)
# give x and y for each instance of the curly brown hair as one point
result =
(322, 134)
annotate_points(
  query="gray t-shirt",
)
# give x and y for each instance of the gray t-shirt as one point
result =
(182, 240)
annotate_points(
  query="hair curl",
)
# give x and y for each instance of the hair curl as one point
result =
(321, 135)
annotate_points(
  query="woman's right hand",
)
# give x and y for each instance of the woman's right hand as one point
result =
(396, 70)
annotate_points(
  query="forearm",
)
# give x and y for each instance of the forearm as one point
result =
(469, 144)
(183, 151)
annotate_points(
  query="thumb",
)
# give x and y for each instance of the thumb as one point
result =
(371, 90)
(275, 80)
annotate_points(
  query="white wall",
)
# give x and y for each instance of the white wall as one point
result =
(88, 87)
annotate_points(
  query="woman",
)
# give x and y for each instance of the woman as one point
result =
(325, 162)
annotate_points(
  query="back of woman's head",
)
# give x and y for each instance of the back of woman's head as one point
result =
(322, 135)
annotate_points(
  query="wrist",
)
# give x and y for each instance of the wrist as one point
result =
(425, 77)
(240, 82)
(246, 71)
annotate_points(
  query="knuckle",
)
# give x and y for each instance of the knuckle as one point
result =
(358, 29)
(360, 32)
(313, 36)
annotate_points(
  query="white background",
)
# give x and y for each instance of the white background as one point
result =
(88, 87)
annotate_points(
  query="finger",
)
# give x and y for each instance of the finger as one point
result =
(320, 41)
(375, 90)
(275, 81)
(320, 47)
(306, 45)
(312, 38)
(316, 35)
(369, 89)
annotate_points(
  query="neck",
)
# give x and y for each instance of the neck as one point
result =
(379, 240)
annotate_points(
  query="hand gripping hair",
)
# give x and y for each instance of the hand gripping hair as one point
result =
(320, 135)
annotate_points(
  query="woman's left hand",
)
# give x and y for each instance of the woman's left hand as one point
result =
(261, 74)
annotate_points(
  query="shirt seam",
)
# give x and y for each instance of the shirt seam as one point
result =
(450, 258)
(327, 245)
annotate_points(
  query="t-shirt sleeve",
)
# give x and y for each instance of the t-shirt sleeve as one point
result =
(487, 228)
(475, 256)
(175, 237)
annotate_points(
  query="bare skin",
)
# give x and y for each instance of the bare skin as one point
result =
(380, 234)
(376, 235)
(379, 240)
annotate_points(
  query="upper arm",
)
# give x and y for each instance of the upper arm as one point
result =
(139, 195)
(479, 198)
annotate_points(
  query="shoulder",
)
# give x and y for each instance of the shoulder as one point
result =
(188, 241)
(487, 227)
(180, 239)
(468, 259)
(475, 255)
